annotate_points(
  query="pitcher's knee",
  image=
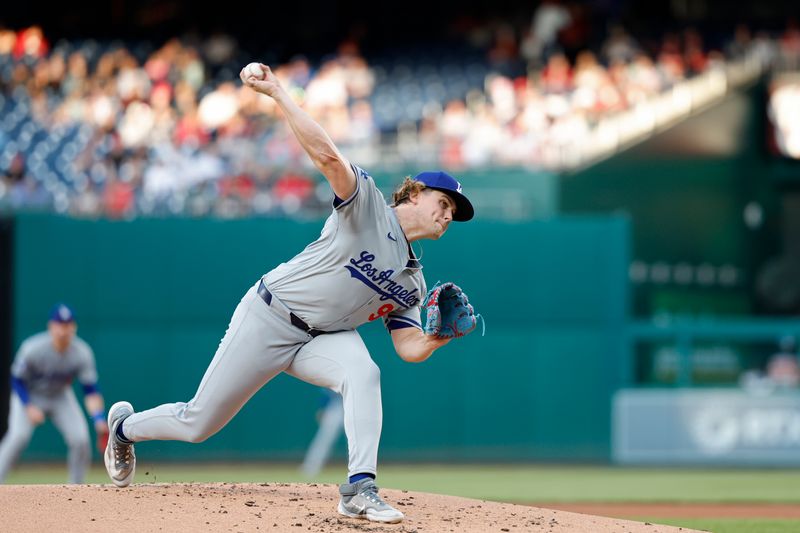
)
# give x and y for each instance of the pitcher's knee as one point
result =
(196, 425)
(367, 377)
(199, 433)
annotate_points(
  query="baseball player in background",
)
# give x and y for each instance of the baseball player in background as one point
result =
(330, 418)
(41, 380)
(301, 317)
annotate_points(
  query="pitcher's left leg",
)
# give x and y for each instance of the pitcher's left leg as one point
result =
(340, 361)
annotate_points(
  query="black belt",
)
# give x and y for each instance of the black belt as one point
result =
(293, 318)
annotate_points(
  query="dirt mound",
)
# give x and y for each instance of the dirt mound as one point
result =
(291, 507)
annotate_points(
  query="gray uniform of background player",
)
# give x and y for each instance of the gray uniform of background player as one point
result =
(48, 376)
(330, 418)
(360, 269)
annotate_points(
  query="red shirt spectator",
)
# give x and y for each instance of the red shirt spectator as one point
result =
(241, 185)
(118, 198)
(31, 42)
(556, 76)
(293, 184)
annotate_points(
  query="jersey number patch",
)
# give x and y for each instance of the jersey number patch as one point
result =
(384, 310)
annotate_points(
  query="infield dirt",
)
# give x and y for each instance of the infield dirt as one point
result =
(290, 507)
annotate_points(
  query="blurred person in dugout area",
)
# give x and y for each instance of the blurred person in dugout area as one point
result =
(41, 381)
(782, 371)
(783, 367)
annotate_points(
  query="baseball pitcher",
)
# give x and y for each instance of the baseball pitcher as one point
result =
(301, 317)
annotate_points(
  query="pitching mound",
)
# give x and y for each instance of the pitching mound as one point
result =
(292, 507)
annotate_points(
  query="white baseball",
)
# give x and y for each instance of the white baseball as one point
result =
(254, 70)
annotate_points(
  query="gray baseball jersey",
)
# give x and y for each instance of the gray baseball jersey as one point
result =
(360, 269)
(47, 372)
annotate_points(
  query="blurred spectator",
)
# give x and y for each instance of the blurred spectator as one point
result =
(782, 367)
(575, 34)
(595, 92)
(297, 73)
(503, 53)
(619, 46)
(742, 39)
(549, 18)
(31, 43)
(556, 76)
(670, 59)
(292, 189)
(790, 45)
(358, 77)
(326, 90)
(639, 79)
(694, 54)
(782, 370)
(75, 82)
(218, 107)
(8, 39)
(117, 197)
(502, 96)
(484, 138)
(21, 191)
(784, 115)
(219, 48)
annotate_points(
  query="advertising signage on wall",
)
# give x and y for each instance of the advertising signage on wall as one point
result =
(707, 426)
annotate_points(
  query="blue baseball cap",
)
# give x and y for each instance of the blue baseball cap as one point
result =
(61, 312)
(442, 181)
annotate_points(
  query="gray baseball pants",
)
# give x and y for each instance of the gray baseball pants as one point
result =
(66, 414)
(259, 344)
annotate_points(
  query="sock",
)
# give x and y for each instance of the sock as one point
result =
(356, 478)
(121, 436)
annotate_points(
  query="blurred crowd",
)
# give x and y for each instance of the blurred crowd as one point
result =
(123, 129)
(783, 110)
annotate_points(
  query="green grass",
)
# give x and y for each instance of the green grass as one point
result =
(730, 525)
(511, 483)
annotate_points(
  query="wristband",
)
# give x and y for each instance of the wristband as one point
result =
(98, 416)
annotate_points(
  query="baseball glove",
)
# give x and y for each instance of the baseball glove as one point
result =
(448, 311)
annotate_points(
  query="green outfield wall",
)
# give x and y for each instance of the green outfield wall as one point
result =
(704, 192)
(153, 298)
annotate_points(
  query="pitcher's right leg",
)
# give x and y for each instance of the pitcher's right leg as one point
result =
(258, 344)
(120, 459)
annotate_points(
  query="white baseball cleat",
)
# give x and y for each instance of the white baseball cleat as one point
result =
(119, 457)
(361, 500)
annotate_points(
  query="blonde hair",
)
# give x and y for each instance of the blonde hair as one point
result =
(405, 190)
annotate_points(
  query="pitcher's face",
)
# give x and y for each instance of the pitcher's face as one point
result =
(437, 210)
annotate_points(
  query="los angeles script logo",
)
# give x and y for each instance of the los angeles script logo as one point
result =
(380, 281)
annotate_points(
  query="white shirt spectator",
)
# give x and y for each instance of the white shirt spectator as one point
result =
(219, 106)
